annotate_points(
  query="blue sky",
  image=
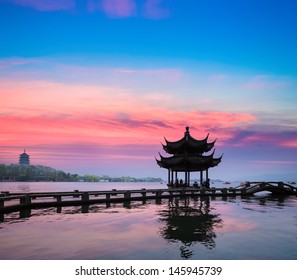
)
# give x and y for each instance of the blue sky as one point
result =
(149, 66)
(250, 34)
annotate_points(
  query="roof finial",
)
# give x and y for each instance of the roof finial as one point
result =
(187, 133)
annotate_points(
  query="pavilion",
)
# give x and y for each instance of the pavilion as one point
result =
(188, 155)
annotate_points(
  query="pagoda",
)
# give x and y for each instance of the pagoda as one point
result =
(24, 158)
(188, 155)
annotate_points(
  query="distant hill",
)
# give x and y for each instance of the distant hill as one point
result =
(270, 177)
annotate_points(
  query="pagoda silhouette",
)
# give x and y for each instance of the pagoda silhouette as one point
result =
(188, 155)
(24, 158)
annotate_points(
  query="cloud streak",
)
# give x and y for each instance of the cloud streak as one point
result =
(46, 5)
(119, 8)
(151, 9)
(265, 82)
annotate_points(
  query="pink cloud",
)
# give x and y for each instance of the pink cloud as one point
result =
(126, 8)
(16, 61)
(123, 125)
(113, 8)
(153, 10)
(46, 5)
(290, 143)
(261, 136)
(36, 104)
(119, 8)
(172, 75)
(261, 82)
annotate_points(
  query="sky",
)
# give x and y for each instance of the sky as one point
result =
(94, 86)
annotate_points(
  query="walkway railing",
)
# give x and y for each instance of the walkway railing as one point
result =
(273, 187)
(10, 202)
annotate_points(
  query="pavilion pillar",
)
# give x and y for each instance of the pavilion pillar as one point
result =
(201, 177)
(207, 174)
(172, 177)
(168, 179)
(168, 176)
(186, 178)
(175, 176)
(189, 178)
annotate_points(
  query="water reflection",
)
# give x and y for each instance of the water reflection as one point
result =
(190, 221)
(178, 228)
(262, 203)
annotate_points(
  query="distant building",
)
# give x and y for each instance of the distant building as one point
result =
(24, 158)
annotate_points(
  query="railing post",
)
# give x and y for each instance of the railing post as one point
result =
(113, 192)
(280, 184)
(224, 191)
(85, 196)
(25, 200)
(1, 203)
(76, 191)
(243, 191)
(159, 193)
(108, 196)
(143, 193)
(127, 195)
(59, 199)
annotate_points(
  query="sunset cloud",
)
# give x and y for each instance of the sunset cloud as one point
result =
(46, 112)
(255, 137)
(117, 116)
(290, 143)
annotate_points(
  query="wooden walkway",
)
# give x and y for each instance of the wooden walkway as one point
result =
(10, 202)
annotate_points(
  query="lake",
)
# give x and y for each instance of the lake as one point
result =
(250, 228)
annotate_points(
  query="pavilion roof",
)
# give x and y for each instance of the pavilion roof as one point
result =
(188, 162)
(189, 145)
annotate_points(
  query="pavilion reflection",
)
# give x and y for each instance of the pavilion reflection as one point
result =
(190, 222)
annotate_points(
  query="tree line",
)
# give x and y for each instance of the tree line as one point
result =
(22, 172)
(40, 173)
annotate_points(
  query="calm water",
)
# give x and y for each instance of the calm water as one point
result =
(259, 227)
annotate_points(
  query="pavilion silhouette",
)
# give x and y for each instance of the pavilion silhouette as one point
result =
(188, 155)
